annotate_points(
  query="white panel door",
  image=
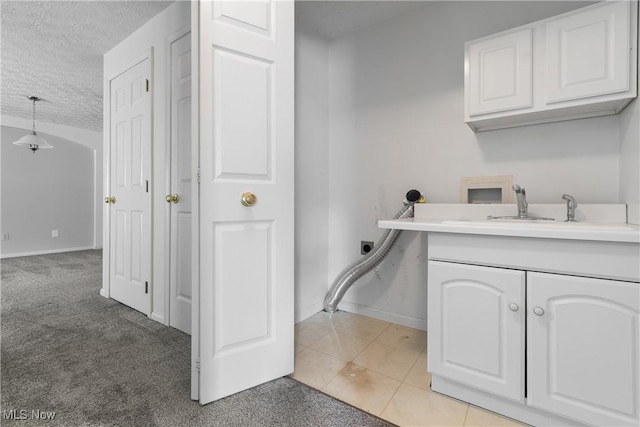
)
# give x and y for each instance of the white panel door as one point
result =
(499, 73)
(179, 197)
(583, 348)
(588, 53)
(476, 327)
(130, 167)
(246, 146)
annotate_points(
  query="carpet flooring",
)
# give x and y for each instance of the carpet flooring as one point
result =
(92, 361)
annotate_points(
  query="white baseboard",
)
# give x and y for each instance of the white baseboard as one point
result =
(399, 319)
(49, 251)
(158, 318)
(307, 312)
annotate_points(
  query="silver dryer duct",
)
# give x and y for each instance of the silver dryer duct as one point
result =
(361, 267)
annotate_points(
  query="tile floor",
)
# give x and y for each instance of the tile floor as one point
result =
(381, 368)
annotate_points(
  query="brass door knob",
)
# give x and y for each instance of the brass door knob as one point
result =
(173, 198)
(248, 199)
(111, 200)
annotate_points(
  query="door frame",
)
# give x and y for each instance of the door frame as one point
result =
(144, 54)
(195, 200)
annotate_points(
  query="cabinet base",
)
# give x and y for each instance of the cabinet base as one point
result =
(510, 409)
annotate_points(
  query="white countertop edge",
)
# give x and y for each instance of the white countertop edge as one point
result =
(632, 235)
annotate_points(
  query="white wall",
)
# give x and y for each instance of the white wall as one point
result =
(53, 189)
(396, 123)
(312, 173)
(157, 34)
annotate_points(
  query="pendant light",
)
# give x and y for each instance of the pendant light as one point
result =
(33, 141)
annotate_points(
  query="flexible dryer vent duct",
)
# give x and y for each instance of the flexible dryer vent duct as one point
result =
(361, 267)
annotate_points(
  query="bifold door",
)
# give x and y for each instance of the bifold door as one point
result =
(246, 194)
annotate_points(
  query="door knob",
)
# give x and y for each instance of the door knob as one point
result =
(538, 311)
(248, 199)
(173, 198)
(513, 306)
(111, 200)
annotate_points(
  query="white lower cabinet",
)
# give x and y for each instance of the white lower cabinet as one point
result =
(478, 324)
(583, 348)
(582, 340)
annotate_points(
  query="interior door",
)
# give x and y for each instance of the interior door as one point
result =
(246, 194)
(179, 197)
(130, 215)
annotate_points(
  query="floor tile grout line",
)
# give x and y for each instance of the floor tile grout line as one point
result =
(386, 326)
(389, 402)
(322, 389)
(382, 373)
(410, 369)
(378, 373)
(466, 414)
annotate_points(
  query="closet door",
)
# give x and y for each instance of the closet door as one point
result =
(246, 194)
(179, 197)
(129, 199)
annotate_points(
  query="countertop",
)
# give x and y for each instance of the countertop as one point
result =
(468, 219)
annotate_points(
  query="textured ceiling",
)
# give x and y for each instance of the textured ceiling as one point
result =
(54, 49)
(333, 19)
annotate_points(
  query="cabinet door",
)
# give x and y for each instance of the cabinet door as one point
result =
(583, 348)
(588, 53)
(499, 74)
(476, 327)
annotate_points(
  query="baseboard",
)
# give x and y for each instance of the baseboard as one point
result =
(410, 322)
(307, 312)
(49, 251)
(507, 408)
(158, 318)
(104, 293)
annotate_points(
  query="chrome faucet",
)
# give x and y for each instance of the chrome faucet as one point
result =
(571, 207)
(522, 201)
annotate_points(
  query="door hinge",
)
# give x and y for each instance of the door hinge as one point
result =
(198, 175)
(146, 181)
(146, 287)
(146, 85)
(198, 365)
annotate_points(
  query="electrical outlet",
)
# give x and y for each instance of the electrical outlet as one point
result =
(5, 236)
(54, 233)
(365, 247)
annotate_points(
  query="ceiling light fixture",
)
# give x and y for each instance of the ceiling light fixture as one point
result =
(33, 141)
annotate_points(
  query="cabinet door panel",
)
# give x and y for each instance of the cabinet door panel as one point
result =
(499, 75)
(588, 53)
(474, 337)
(583, 350)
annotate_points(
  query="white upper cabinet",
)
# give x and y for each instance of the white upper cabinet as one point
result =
(500, 74)
(576, 65)
(588, 53)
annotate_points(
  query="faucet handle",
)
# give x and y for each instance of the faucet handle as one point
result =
(517, 188)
